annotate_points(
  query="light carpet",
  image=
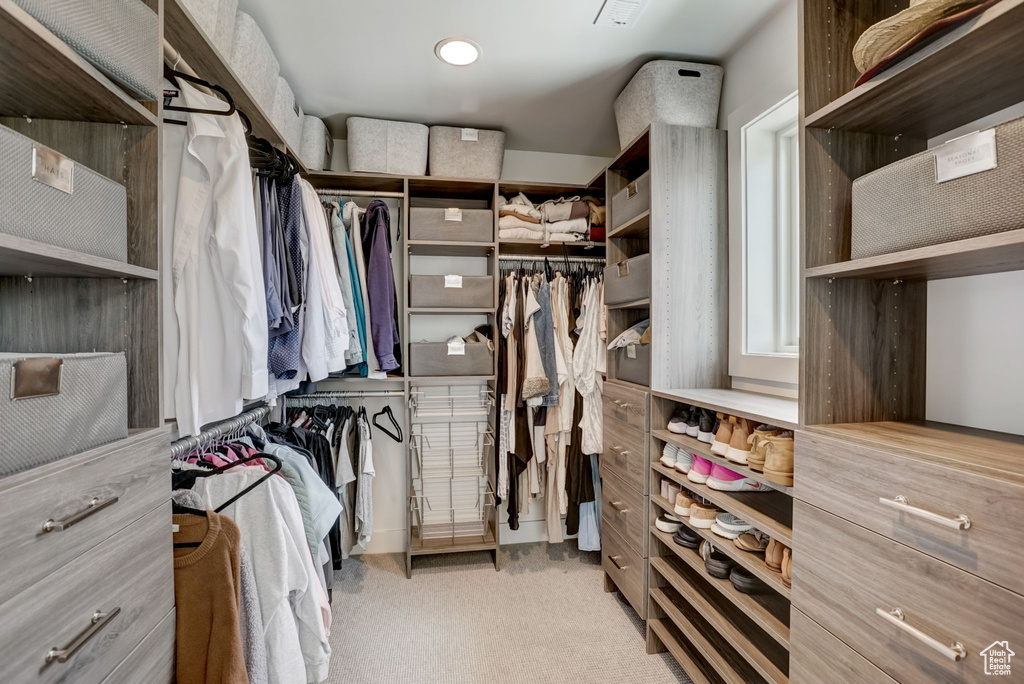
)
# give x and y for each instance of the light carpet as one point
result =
(543, 618)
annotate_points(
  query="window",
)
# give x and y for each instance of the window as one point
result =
(764, 242)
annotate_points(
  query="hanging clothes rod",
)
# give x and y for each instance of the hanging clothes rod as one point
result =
(379, 194)
(227, 427)
(554, 259)
(345, 394)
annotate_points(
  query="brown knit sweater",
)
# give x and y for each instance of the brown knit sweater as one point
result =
(206, 592)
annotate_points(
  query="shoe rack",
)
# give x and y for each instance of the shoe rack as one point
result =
(893, 512)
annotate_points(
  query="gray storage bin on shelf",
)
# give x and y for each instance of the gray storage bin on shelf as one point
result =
(217, 20)
(86, 211)
(635, 368)
(628, 281)
(466, 152)
(663, 91)
(317, 144)
(380, 146)
(253, 60)
(58, 405)
(630, 202)
(287, 114)
(903, 206)
(451, 225)
(446, 292)
(431, 359)
(121, 38)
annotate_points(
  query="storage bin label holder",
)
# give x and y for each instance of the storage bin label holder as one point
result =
(965, 156)
(36, 377)
(52, 168)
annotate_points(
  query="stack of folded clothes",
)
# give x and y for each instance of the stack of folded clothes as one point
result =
(566, 219)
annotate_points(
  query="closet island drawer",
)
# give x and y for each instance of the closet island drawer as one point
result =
(868, 486)
(902, 610)
(623, 510)
(625, 454)
(79, 623)
(451, 292)
(93, 495)
(454, 224)
(818, 657)
(152, 661)
(626, 568)
(625, 405)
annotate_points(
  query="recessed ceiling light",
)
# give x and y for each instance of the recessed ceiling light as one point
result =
(457, 51)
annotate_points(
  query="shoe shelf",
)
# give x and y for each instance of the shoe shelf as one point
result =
(769, 611)
(663, 630)
(639, 227)
(426, 547)
(973, 70)
(778, 411)
(771, 512)
(637, 304)
(768, 658)
(695, 446)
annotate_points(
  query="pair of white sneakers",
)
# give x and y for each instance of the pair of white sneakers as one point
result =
(674, 457)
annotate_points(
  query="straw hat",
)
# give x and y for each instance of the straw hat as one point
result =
(880, 40)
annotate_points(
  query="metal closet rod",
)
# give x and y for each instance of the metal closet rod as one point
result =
(360, 193)
(346, 394)
(227, 427)
(555, 259)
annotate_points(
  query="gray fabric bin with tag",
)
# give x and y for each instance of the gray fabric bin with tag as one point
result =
(317, 144)
(451, 292)
(636, 369)
(628, 281)
(431, 359)
(49, 198)
(380, 146)
(57, 405)
(466, 152)
(904, 206)
(455, 224)
(630, 202)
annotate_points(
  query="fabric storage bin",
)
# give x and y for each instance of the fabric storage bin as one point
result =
(379, 146)
(457, 225)
(121, 38)
(663, 91)
(73, 207)
(431, 359)
(58, 405)
(317, 144)
(254, 61)
(904, 206)
(631, 201)
(634, 366)
(628, 281)
(443, 292)
(216, 18)
(286, 114)
(466, 152)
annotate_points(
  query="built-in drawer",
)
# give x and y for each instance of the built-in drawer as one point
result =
(626, 568)
(625, 405)
(857, 584)
(852, 481)
(625, 454)
(818, 657)
(623, 510)
(93, 611)
(82, 500)
(152, 661)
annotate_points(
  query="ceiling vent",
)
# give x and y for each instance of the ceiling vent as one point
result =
(620, 12)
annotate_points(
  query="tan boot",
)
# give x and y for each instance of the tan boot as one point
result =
(778, 464)
(787, 566)
(720, 444)
(755, 460)
(773, 555)
(739, 447)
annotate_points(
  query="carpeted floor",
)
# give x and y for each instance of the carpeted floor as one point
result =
(543, 618)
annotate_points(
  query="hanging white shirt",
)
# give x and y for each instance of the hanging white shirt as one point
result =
(219, 296)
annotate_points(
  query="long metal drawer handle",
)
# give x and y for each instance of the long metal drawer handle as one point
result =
(617, 505)
(615, 562)
(99, 621)
(620, 403)
(96, 505)
(960, 522)
(956, 652)
(619, 451)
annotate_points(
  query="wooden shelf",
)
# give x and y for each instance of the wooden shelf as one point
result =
(769, 511)
(975, 256)
(452, 311)
(541, 191)
(995, 454)
(716, 650)
(352, 180)
(695, 666)
(703, 450)
(777, 411)
(723, 619)
(553, 249)
(763, 609)
(22, 257)
(460, 249)
(629, 385)
(644, 303)
(359, 380)
(639, 227)
(974, 70)
(426, 547)
(43, 78)
(452, 188)
(448, 379)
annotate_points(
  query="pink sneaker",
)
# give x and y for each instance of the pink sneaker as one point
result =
(725, 480)
(700, 470)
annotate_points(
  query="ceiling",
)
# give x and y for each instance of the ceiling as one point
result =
(547, 75)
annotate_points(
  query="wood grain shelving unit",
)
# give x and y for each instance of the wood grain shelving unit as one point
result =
(639, 227)
(694, 446)
(762, 408)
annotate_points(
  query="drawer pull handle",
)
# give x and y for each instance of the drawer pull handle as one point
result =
(95, 506)
(615, 562)
(617, 505)
(955, 652)
(620, 403)
(99, 621)
(960, 522)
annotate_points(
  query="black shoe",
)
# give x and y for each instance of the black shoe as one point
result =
(706, 426)
(717, 563)
(684, 536)
(746, 582)
(693, 421)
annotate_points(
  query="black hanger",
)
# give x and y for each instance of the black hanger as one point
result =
(386, 411)
(178, 509)
(186, 479)
(174, 76)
